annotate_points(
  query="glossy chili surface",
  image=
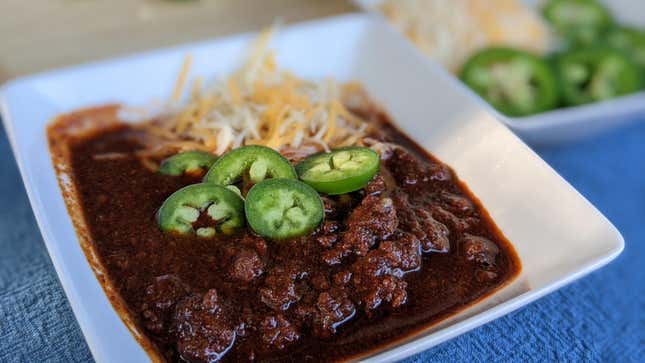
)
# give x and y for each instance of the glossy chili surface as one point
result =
(409, 249)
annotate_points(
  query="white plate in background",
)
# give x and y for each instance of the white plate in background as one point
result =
(571, 123)
(558, 234)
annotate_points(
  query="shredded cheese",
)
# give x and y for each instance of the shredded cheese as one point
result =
(451, 33)
(258, 104)
(181, 79)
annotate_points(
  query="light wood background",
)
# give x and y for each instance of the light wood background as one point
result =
(37, 35)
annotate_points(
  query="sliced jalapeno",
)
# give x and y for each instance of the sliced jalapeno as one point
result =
(187, 162)
(596, 74)
(180, 212)
(515, 82)
(256, 162)
(283, 208)
(630, 41)
(340, 171)
(579, 22)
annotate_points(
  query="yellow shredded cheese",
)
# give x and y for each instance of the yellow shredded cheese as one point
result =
(181, 79)
(331, 121)
(257, 104)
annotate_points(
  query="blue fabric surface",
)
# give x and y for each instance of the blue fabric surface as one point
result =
(600, 318)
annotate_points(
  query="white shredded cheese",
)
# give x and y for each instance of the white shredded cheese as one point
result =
(451, 31)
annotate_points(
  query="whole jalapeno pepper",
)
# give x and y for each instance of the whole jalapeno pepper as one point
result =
(182, 209)
(187, 162)
(254, 161)
(339, 171)
(515, 82)
(283, 208)
(596, 74)
(579, 22)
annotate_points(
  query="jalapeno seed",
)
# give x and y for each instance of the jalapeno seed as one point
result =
(283, 208)
(182, 209)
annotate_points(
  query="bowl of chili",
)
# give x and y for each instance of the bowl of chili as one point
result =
(556, 233)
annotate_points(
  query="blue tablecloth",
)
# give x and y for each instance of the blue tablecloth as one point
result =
(600, 318)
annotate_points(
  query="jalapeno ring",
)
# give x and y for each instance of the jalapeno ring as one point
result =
(187, 162)
(515, 82)
(629, 40)
(579, 22)
(283, 208)
(340, 171)
(596, 74)
(260, 162)
(181, 210)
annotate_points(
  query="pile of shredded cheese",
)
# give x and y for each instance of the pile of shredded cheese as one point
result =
(451, 31)
(259, 104)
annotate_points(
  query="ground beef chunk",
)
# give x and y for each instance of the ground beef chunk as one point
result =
(330, 227)
(377, 278)
(246, 266)
(388, 288)
(405, 251)
(161, 297)
(276, 332)
(279, 290)
(342, 278)
(245, 321)
(333, 308)
(303, 312)
(373, 220)
(327, 240)
(433, 235)
(480, 250)
(411, 171)
(459, 224)
(329, 234)
(376, 186)
(485, 276)
(204, 332)
(337, 206)
(436, 234)
(319, 282)
(256, 243)
(406, 167)
(329, 206)
(439, 172)
(457, 204)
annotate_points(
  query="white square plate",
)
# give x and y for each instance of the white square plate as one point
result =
(559, 235)
(571, 123)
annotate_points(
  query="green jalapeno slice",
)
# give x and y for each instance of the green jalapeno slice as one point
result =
(182, 209)
(515, 82)
(630, 41)
(254, 161)
(283, 208)
(579, 22)
(187, 162)
(596, 74)
(340, 171)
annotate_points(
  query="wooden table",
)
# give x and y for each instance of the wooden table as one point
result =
(37, 35)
